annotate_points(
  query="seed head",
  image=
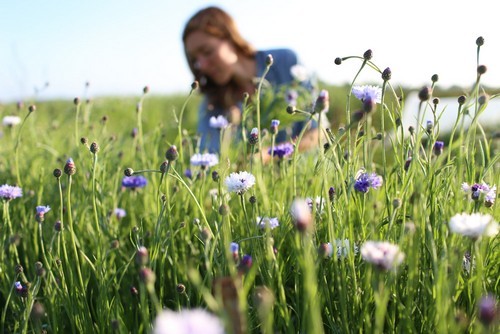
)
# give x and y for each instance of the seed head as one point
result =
(368, 54)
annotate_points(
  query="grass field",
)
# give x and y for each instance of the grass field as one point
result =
(362, 234)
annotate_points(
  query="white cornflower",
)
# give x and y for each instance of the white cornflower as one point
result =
(193, 321)
(474, 225)
(301, 214)
(382, 254)
(299, 72)
(204, 160)
(11, 120)
(264, 222)
(239, 182)
(219, 122)
(364, 92)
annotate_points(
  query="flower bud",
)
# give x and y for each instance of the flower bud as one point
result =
(269, 60)
(461, 99)
(172, 153)
(387, 74)
(57, 173)
(338, 61)
(142, 256)
(254, 136)
(291, 109)
(438, 148)
(145, 90)
(128, 172)
(94, 148)
(215, 176)
(435, 78)
(195, 85)
(69, 167)
(180, 288)
(322, 102)
(368, 54)
(274, 126)
(481, 69)
(32, 108)
(424, 94)
(480, 41)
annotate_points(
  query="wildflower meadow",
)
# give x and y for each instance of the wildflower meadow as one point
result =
(113, 221)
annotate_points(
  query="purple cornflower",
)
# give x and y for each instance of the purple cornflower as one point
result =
(488, 309)
(281, 150)
(322, 102)
(40, 212)
(245, 264)
(263, 222)
(480, 192)
(10, 192)
(291, 97)
(188, 173)
(438, 147)
(365, 181)
(134, 181)
(120, 213)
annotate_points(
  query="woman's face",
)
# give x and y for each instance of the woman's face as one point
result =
(211, 56)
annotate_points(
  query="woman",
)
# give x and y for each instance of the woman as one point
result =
(226, 66)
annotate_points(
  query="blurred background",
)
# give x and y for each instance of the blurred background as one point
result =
(53, 49)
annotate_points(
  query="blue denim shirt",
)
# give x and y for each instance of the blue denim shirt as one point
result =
(279, 74)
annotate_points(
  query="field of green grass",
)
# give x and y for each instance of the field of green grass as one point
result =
(109, 219)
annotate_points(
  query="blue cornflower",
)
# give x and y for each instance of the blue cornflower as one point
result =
(10, 192)
(373, 93)
(274, 126)
(263, 222)
(365, 181)
(40, 212)
(234, 247)
(438, 147)
(281, 150)
(204, 160)
(134, 181)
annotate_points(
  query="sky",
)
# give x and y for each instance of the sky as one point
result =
(118, 47)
